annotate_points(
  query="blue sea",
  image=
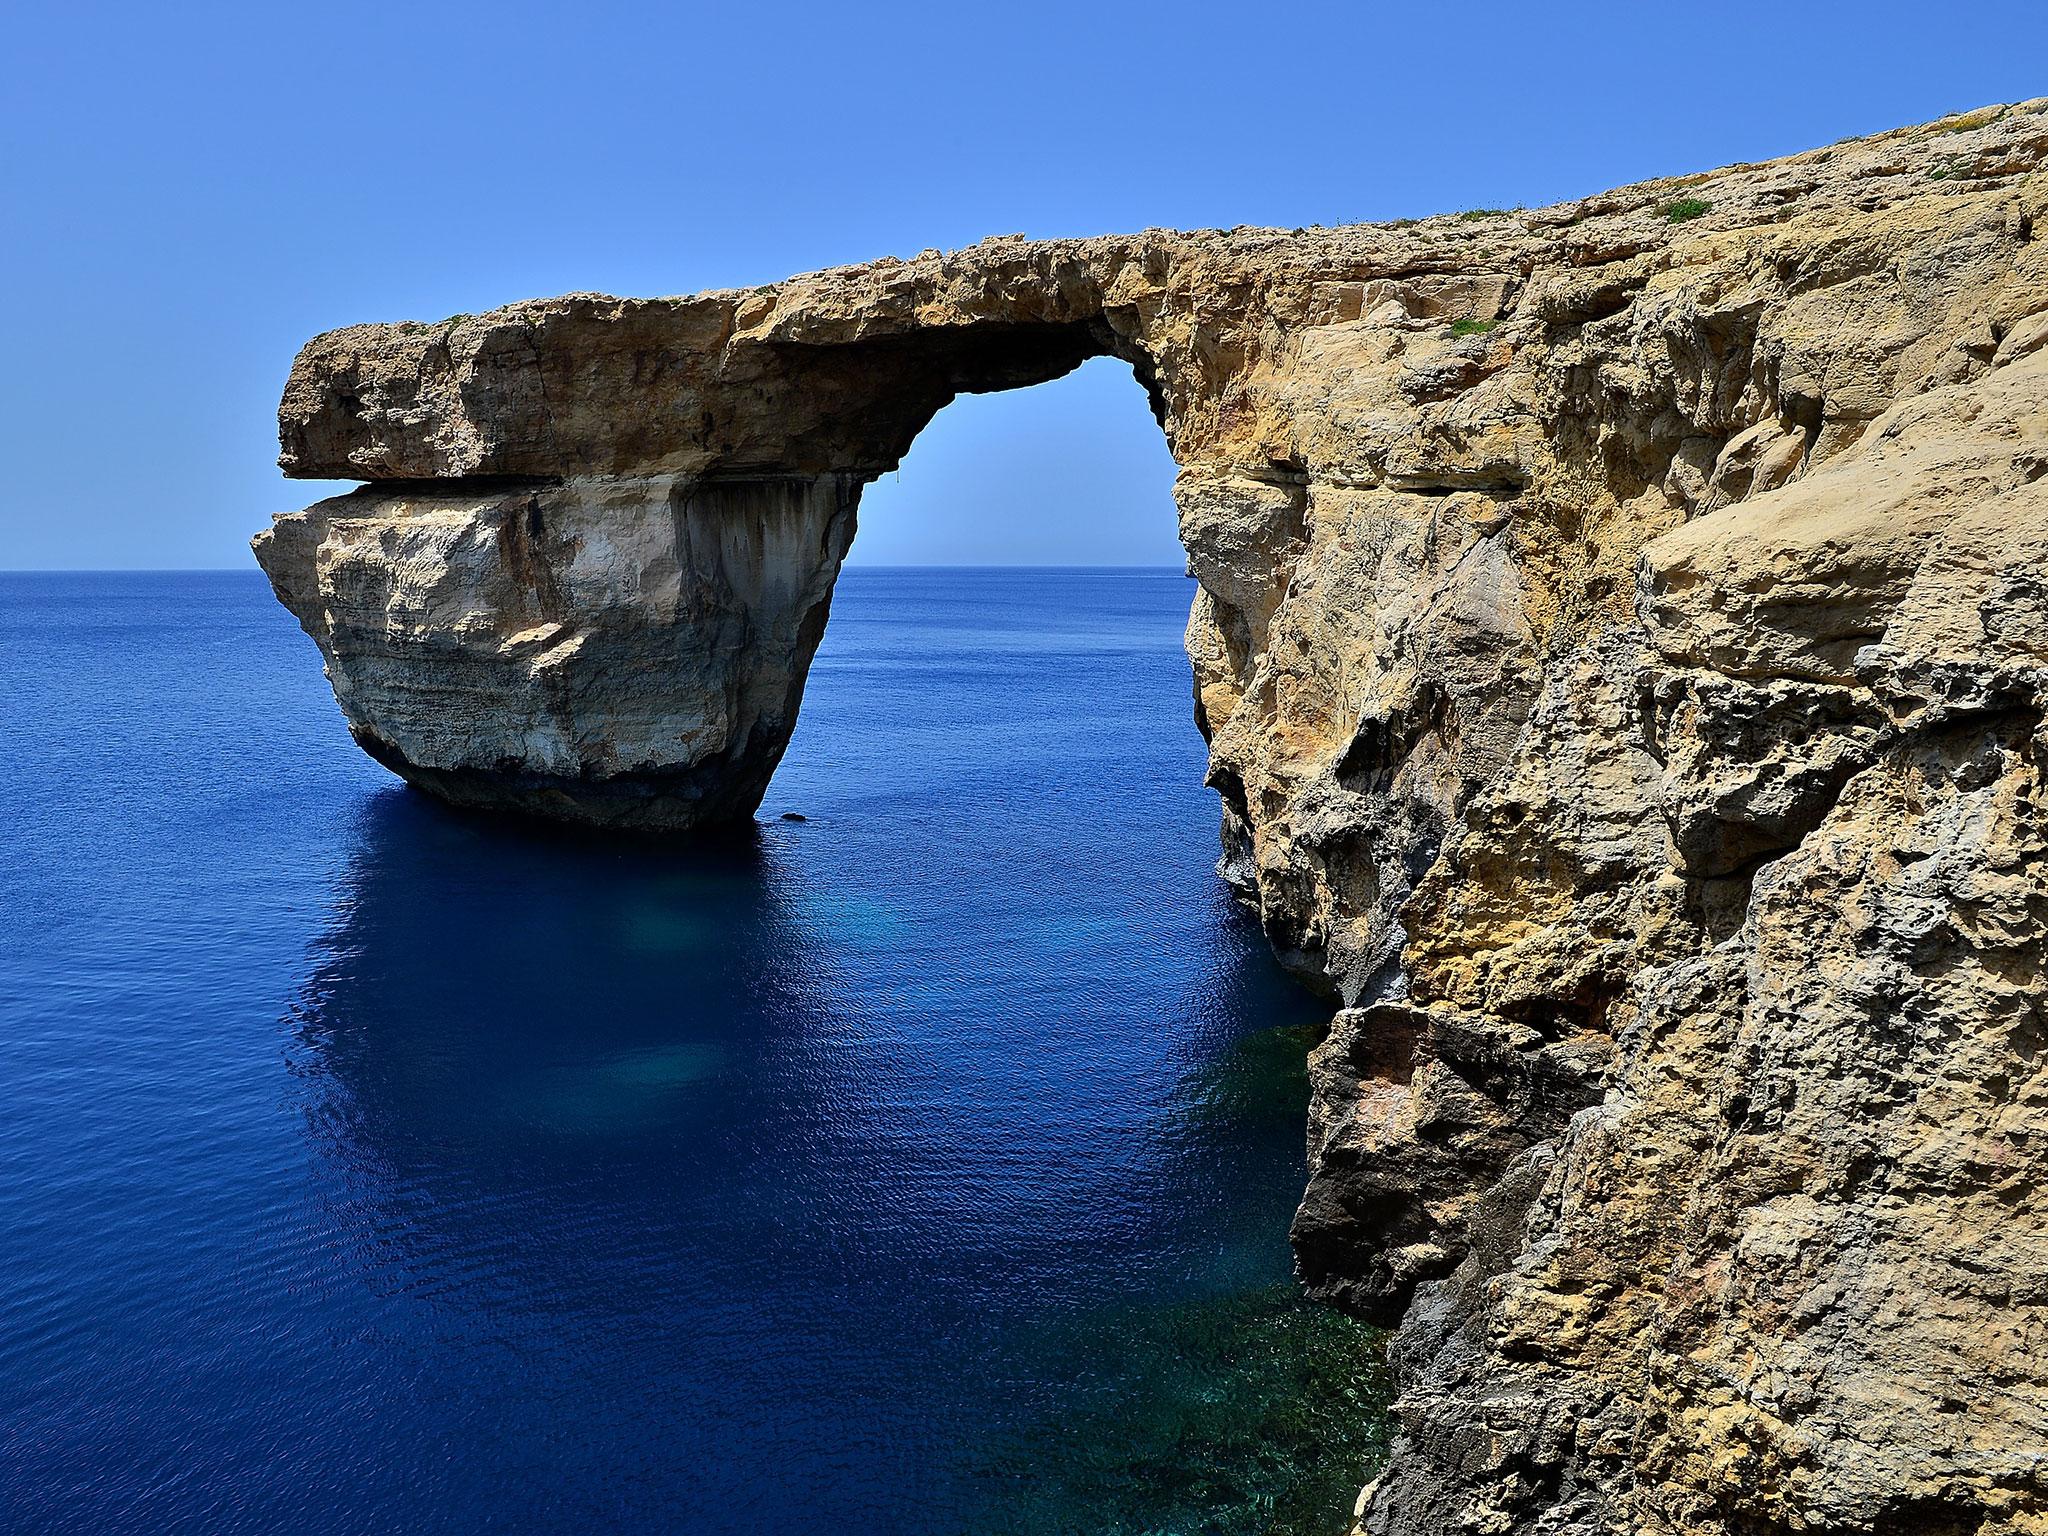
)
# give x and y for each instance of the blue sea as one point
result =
(922, 1166)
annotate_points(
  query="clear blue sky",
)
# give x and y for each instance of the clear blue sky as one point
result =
(192, 190)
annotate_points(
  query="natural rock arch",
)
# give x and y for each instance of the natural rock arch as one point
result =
(598, 553)
(597, 546)
(1622, 639)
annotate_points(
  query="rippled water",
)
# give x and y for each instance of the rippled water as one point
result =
(923, 1167)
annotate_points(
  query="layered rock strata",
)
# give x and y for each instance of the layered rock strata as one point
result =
(1622, 636)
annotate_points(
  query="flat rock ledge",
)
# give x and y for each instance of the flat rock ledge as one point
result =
(1622, 641)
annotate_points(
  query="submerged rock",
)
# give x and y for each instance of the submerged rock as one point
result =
(1622, 638)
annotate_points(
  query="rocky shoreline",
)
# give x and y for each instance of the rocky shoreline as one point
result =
(1622, 639)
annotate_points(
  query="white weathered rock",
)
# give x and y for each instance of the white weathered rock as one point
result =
(620, 653)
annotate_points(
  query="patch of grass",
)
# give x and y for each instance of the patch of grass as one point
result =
(1472, 327)
(458, 319)
(1942, 172)
(1979, 119)
(1485, 213)
(1685, 208)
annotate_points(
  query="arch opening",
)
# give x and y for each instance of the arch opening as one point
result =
(1069, 472)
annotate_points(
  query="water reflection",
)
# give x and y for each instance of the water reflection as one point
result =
(943, 1143)
(921, 1168)
(771, 1147)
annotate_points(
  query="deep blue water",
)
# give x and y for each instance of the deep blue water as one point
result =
(923, 1167)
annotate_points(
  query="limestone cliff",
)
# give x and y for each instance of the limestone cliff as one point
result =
(1622, 635)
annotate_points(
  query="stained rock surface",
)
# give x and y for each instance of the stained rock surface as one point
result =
(1622, 637)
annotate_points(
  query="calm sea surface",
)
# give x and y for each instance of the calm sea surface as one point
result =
(924, 1167)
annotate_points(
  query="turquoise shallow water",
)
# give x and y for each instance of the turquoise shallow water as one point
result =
(920, 1167)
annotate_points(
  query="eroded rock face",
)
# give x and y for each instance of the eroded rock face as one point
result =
(1786, 1271)
(621, 653)
(1623, 643)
